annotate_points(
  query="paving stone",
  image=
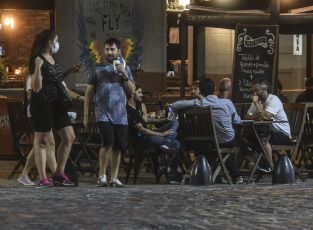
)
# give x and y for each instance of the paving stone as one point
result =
(148, 205)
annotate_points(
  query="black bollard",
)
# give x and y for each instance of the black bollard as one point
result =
(201, 174)
(283, 172)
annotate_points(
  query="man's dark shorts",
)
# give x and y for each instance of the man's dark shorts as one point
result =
(115, 135)
(279, 138)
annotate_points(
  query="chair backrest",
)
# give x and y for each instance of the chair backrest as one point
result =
(197, 124)
(18, 121)
(296, 114)
(308, 127)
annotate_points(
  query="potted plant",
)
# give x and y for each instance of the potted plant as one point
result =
(24, 73)
(3, 71)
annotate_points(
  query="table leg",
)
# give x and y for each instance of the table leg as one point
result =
(262, 153)
(85, 150)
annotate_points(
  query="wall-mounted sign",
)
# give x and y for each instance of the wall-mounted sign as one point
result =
(98, 20)
(174, 35)
(297, 44)
(255, 57)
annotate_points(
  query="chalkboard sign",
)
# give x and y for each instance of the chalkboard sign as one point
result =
(254, 57)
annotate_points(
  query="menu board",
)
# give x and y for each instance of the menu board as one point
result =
(254, 57)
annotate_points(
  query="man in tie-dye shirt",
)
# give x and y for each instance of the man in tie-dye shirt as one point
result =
(110, 84)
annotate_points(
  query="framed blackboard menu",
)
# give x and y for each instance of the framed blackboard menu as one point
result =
(254, 57)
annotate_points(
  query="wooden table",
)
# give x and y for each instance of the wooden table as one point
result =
(260, 128)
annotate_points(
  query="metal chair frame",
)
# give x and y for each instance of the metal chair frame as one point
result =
(22, 133)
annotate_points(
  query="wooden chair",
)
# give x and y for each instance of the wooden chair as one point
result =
(139, 156)
(306, 161)
(86, 145)
(22, 134)
(296, 114)
(196, 124)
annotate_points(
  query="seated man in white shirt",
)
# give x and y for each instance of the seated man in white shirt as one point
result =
(267, 106)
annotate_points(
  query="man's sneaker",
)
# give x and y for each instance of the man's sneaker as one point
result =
(102, 181)
(238, 180)
(62, 180)
(168, 150)
(224, 180)
(44, 183)
(176, 178)
(116, 183)
(24, 180)
(247, 165)
(266, 169)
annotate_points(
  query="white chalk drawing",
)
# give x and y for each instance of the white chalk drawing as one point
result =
(240, 39)
(249, 42)
(271, 41)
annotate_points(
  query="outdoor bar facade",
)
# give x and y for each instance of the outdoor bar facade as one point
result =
(207, 38)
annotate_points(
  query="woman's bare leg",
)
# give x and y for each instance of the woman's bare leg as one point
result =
(67, 137)
(41, 144)
(51, 161)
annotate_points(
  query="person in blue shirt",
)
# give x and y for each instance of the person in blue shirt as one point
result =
(110, 84)
(225, 116)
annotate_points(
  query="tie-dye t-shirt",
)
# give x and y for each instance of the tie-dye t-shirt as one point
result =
(110, 104)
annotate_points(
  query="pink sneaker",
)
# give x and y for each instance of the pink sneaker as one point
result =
(62, 180)
(44, 183)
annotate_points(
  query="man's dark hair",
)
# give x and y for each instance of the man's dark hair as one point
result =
(263, 84)
(40, 43)
(137, 87)
(309, 82)
(207, 87)
(112, 41)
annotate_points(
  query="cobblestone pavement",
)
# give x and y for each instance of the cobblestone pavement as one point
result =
(147, 205)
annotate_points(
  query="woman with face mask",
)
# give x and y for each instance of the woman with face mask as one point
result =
(45, 109)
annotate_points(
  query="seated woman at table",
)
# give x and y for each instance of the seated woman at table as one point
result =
(267, 106)
(143, 137)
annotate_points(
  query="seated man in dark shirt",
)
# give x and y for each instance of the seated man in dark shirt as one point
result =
(143, 137)
(307, 95)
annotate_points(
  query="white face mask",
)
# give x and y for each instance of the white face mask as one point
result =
(55, 48)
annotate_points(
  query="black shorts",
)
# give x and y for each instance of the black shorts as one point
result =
(45, 116)
(279, 138)
(115, 135)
